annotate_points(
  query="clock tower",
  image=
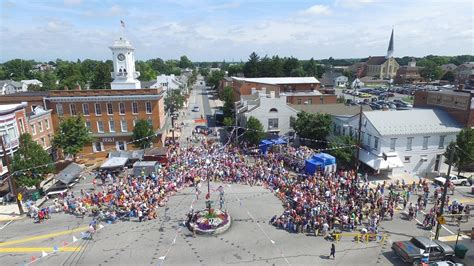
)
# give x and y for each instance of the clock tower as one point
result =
(124, 75)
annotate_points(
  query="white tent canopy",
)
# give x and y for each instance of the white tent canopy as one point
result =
(378, 163)
(114, 162)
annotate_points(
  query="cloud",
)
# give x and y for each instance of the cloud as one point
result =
(72, 2)
(113, 11)
(7, 4)
(352, 3)
(318, 10)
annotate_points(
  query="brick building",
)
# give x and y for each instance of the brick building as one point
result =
(40, 127)
(298, 90)
(458, 104)
(110, 115)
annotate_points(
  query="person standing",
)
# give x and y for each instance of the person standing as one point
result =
(333, 251)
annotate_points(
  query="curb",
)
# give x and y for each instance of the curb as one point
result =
(14, 218)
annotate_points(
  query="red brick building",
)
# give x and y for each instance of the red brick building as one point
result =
(298, 90)
(459, 104)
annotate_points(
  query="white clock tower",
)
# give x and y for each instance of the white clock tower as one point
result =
(124, 75)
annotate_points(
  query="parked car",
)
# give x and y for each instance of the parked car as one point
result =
(418, 247)
(196, 109)
(456, 180)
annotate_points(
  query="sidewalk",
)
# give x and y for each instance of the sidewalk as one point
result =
(10, 212)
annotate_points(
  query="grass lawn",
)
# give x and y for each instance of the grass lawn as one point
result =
(408, 99)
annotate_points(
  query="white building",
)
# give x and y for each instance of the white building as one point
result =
(34, 82)
(168, 82)
(12, 118)
(411, 141)
(11, 86)
(124, 75)
(270, 109)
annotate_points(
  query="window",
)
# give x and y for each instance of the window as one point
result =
(321, 100)
(134, 108)
(343, 130)
(123, 126)
(393, 143)
(407, 159)
(273, 110)
(369, 140)
(85, 108)
(272, 123)
(376, 143)
(88, 126)
(310, 101)
(148, 107)
(299, 101)
(22, 126)
(98, 146)
(72, 109)
(100, 127)
(150, 122)
(441, 142)
(46, 121)
(409, 142)
(59, 109)
(121, 145)
(110, 109)
(112, 126)
(33, 129)
(351, 131)
(98, 111)
(43, 142)
(121, 108)
(40, 126)
(425, 142)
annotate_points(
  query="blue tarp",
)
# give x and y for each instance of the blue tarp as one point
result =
(279, 141)
(263, 146)
(311, 166)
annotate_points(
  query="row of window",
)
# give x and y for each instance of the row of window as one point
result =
(40, 126)
(409, 143)
(299, 101)
(99, 146)
(98, 108)
(123, 126)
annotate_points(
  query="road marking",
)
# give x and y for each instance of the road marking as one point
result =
(466, 200)
(452, 238)
(38, 249)
(29, 239)
(7, 224)
(451, 232)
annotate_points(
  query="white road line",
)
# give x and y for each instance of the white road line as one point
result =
(7, 224)
(451, 232)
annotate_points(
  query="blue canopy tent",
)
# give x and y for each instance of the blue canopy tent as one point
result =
(324, 158)
(279, 141)
(264, 145)
(311, 166)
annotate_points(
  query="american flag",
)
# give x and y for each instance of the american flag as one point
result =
(122, 23)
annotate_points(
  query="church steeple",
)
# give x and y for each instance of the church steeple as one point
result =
(390, 47)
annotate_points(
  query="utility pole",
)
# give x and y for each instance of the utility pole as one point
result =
(359, 136)
(445, 191)
(11, 182)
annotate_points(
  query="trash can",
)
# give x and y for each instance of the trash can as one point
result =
(460, 251)
(35, 196)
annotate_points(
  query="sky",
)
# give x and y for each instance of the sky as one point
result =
(213, 30)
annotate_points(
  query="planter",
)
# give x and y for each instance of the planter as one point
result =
(216, 222)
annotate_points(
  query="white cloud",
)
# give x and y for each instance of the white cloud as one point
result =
(318, 10)
(353, 3)
(72, 2)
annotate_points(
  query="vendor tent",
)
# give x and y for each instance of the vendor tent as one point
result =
(264, 145)
(114, 163)
(145, 168)
(131, 155)
(69, 174)
(279, 141)
(324, 158)
(311, 166)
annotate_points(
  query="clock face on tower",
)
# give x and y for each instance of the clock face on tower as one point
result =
(121, 57)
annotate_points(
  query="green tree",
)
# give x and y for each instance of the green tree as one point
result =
(342, 150)
(311, 68)
(101, 77)
(430, 69)
(146, 71)
(17, 69)
(228, 121)
(290, 65)
(174, 100)
(72, 135)
(229, 104)
(143, 134)
(253, 131)
(30, 155)
(251, 68)
(214, 78)
(184, 62)
(204, 71)
(312, 126)
(464, 151)
(235, 69)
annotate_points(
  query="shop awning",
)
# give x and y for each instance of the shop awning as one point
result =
(378, 163)
(68, 174)
(114, 162)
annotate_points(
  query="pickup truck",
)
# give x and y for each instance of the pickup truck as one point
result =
(418, 247)
(456, 180)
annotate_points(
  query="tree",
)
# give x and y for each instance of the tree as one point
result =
(101, 77)
(30, 155)
(253, 131)
(312, 126)
(72, 136)
(251, 69)
(464, 151)
(229, 104)
(17, 69)
(430, 69)
(214, 78)
(174, 100)
(342, 150)
(143, 134)
(235, 69)
(184, 62)
(449, 76)
(289, 65)
(146, 71)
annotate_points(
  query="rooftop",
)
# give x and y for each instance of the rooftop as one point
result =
(302, 93)
(338, 109)
(8, 108)
(279, 81)
(412, 122)
(376, 60)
